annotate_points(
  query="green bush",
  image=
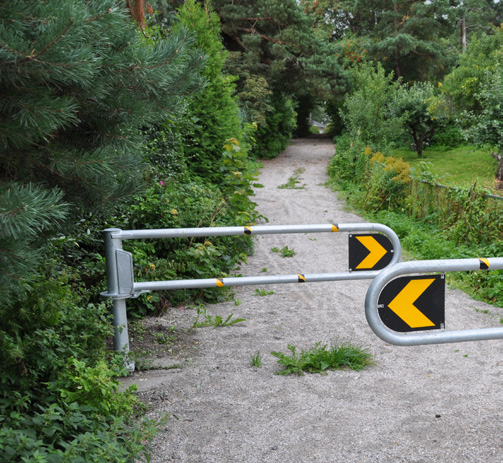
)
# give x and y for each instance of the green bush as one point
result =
(214, 109)
(349, 162)
(59, 400)
(432, 223)
(172, 204)
(49, 326)
(447, 137)
(32, 432)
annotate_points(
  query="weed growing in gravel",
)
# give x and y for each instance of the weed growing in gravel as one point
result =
(216, 321)
(285, 252)
(256, 359)
(293, 181)
(163, 338)
(262, 292)
(141, 358)
(320, 358)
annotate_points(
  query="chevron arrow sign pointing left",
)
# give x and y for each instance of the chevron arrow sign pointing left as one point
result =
(413, 303)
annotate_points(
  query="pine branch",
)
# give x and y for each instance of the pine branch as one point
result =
(256, 20)
(240, 44)
(418, 53)
(54, 41)
(95, 18)
(33, 58)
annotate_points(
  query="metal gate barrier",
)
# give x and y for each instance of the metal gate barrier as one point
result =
(397, 307)
(120, 275)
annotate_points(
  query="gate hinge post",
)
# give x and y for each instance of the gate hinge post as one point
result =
(119, 281)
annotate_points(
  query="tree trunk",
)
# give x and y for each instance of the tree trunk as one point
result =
(418, 140)
(462, 24)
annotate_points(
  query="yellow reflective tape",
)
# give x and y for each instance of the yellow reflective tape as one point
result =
(302, 278)
(247, 230)
(484, 263)
(335, 227)
(220, 282)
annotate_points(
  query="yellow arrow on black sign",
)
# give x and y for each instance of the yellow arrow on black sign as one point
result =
(413, 303)
(369, 251)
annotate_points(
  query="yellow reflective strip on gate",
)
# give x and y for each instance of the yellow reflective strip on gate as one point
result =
(220, 282)
(484, 263)
(335, 227)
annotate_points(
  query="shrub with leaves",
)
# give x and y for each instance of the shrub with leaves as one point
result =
(58, 398)
(274, 135)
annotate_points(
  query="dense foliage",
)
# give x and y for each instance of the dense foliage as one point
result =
(101, 124)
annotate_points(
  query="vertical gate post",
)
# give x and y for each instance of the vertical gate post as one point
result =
(121, 336)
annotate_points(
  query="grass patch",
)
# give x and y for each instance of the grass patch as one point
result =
(262, 292)
(293, 181)
(256, 359)
(460, 166)
(285, 252)
(216, 321)
(321, 358)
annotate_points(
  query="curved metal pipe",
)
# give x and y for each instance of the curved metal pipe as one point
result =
(427, 266)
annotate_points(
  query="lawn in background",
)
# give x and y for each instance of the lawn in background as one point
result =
(459, 166)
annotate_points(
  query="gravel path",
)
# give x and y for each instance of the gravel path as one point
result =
(438, 403)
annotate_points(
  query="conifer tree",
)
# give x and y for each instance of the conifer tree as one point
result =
(215, 109)
(78, 82)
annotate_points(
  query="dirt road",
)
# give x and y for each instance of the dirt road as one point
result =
(439, 403)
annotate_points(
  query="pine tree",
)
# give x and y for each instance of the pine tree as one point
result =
(78, 81)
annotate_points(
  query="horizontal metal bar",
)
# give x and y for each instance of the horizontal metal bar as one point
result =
(427, 266)
(136, 288)
(246, 281)
(221, 231)
(252, 230)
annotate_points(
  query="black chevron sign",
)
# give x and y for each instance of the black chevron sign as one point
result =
(369, 252)
(413, 303)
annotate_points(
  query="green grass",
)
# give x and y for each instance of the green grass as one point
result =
(262, 292)
(285, 252)
(293, 181)
(216, 321)
(459, 166)
(321, 358)
(256, 359)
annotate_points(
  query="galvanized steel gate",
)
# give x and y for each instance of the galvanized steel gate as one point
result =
(120, 276)
(121, 284)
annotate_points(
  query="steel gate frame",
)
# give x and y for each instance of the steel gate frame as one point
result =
(120, 276)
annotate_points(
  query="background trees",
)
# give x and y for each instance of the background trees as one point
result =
(277, 55)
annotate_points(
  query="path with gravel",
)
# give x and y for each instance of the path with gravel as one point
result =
(438, 403)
